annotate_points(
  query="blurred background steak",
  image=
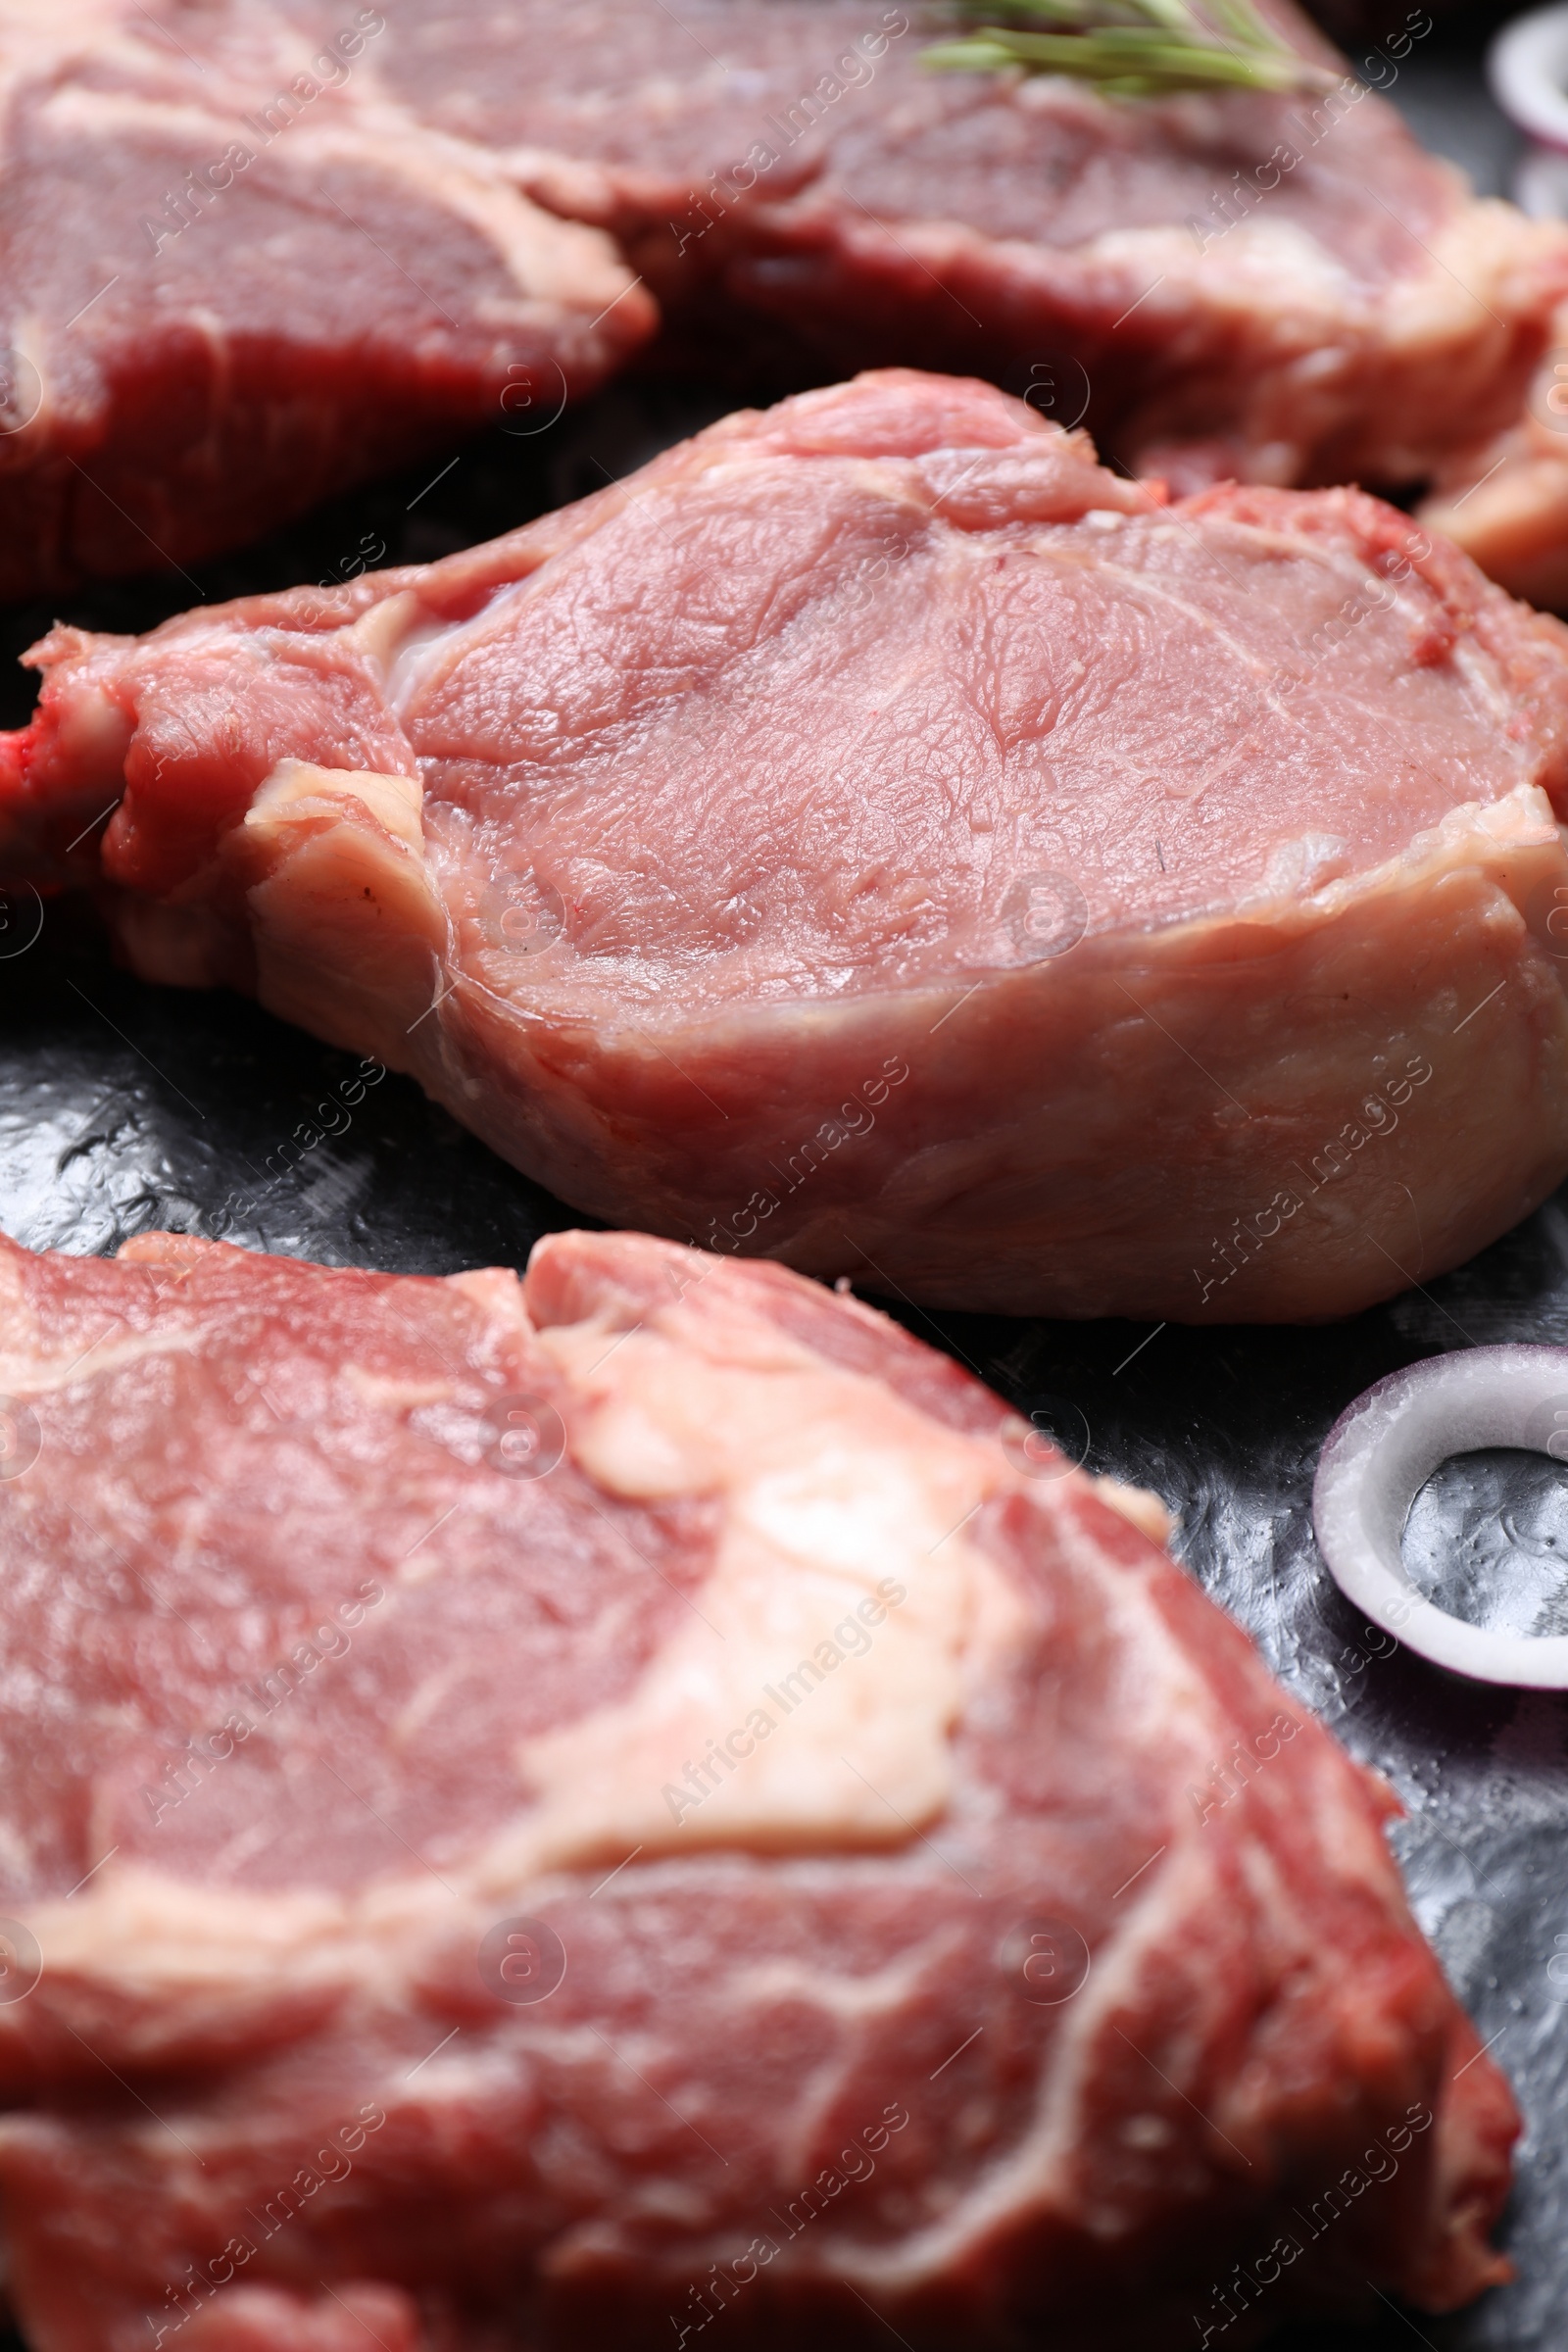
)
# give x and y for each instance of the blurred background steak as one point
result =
(233, 282)
(251, 253)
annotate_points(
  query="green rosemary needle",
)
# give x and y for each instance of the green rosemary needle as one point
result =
(1133, 48)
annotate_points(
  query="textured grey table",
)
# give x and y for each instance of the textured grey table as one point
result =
(124, 1107)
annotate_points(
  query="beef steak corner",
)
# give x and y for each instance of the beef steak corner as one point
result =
(236, 277)
(253, 250)
(1275, 289)
(545, 1815)
(877, 835)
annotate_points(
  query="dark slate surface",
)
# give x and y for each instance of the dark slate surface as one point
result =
(123, 1107)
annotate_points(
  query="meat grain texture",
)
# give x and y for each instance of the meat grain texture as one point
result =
(559, 1815)
(879, 836)
(256, 255)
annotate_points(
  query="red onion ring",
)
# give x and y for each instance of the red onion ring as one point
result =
(1528, 68)
(1380, 1454)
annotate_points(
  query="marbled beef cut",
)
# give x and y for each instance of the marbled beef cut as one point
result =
(252, 250)
(877, 835)
(545, 1817)
(1284, 290)
(233, 278)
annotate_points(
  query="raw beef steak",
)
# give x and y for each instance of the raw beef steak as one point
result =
(1285, 290)
(237, 275)
(1504, 496)
(876, 835)
(254, 249)
(538, 1817)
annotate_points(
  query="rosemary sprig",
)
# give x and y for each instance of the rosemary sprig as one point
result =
(1133, 48)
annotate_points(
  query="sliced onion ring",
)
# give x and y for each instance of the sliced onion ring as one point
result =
(1528, 67)
(1377, 1458)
